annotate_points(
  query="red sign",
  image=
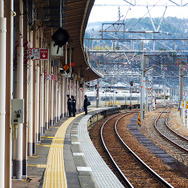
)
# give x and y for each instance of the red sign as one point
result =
(53, 77)
(49, 76)
(44, 53)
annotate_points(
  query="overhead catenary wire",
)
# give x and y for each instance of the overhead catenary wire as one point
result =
(143, 16)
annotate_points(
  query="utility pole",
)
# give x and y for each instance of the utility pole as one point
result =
(181, 87)
(142, 85)
(163, 76)
(147, 103)
(131, 85)
(150, 91)
(105, 96)
(113, 97)
(164, 94)
(97, 94)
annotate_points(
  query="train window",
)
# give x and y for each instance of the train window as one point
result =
(107, 98)
(92, 98)
(120, 98)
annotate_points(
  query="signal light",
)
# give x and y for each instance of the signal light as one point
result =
(96, 86)
(60, 37)
(131, 83)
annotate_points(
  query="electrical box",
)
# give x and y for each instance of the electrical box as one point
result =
(17, 111)
(55, 50)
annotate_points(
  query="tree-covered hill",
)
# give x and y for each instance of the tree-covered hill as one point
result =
(170, 28)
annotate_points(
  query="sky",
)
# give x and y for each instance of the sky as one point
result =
(107, 10)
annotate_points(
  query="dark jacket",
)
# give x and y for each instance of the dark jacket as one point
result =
(74, 103)
(69, 103)
(85, 102)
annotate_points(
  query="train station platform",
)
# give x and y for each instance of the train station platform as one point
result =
(66, 157)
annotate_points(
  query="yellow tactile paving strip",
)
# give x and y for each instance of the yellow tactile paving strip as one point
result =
(55, 176)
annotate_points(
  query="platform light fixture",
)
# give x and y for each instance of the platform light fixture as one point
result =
(60, 37)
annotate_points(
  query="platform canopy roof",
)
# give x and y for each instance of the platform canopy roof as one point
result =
(74, 16)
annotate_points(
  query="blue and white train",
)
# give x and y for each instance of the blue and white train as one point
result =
(116, 98)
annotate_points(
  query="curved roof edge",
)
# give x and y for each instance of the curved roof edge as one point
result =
(89, 69)
(90, 66)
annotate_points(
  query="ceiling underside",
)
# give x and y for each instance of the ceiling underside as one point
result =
(75, 15)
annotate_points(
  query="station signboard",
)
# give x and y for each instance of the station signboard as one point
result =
(38, 53)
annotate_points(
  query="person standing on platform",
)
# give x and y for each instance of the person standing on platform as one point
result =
(85, 104)
(69, 105)
(73, 105)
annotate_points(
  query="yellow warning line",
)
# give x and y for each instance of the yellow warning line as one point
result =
(31, 165)
(47, 137)
(55, 172)
(55, 176)
(38, 165)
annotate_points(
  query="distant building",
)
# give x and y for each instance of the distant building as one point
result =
(159, 91)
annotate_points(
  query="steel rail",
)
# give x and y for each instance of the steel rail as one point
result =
(169, 140)
(157, 176)
(176, 133)
(126, 181)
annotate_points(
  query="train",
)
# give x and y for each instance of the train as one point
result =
(114, 98)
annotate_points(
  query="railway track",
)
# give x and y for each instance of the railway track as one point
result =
(132, 170)
(170, 135)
